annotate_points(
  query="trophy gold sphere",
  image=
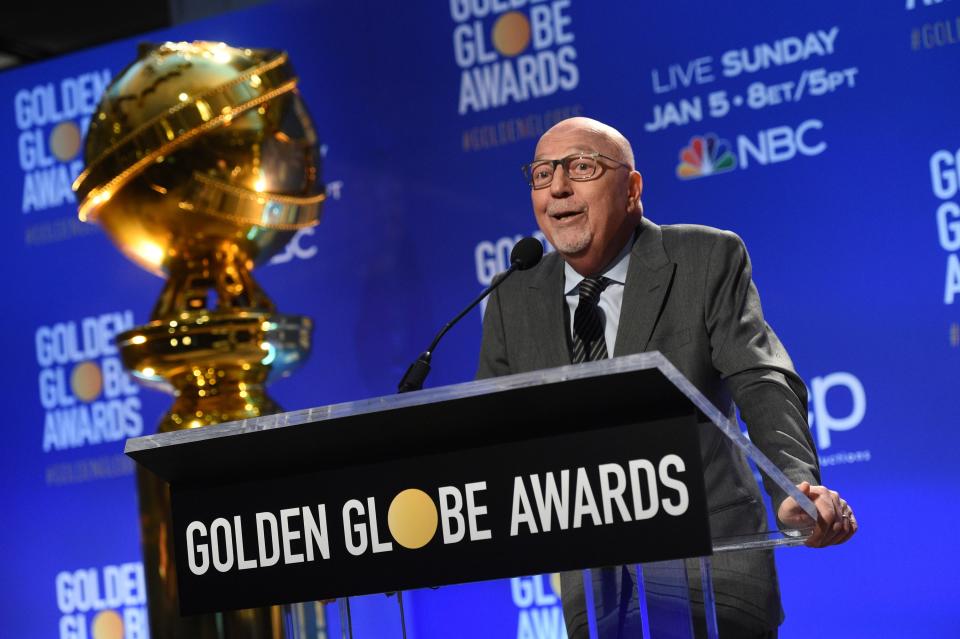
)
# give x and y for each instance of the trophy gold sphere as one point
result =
(201, 163)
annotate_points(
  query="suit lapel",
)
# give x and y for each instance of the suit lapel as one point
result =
(546, 287)
(649, 277)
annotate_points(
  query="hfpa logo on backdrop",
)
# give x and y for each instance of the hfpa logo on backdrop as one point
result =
(493, 256)
(86, 396)
(945, 181)
(539, 614)
(709, 154)
(299, 247)
(838, 403)
(103, 603)
(52, 119)
(509, 52)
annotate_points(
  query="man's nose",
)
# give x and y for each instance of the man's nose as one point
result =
(561, 185)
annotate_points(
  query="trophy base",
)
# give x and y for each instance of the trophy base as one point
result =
(215, 363)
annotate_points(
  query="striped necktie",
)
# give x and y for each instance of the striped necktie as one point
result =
(588, 343)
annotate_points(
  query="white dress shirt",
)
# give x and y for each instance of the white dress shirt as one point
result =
(611, 299)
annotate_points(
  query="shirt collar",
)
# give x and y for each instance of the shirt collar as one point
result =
(616, 272)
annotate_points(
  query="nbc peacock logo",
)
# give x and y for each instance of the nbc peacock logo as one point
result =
(705, 155)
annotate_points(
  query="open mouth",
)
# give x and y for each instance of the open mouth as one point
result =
(564, 215)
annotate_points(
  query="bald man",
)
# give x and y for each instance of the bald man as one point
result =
(619, 284)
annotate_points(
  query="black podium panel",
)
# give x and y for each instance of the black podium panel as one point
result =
(603, 497)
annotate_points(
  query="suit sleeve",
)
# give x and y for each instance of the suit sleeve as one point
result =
(771, 397)
(493, 347)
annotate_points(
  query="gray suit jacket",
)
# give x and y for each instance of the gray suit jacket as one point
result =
(688, 294)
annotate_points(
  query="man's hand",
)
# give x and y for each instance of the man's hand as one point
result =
(835, 523)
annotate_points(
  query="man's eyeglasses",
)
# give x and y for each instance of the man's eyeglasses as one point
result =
(579, 167)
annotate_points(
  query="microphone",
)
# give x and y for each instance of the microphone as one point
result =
(525, 254)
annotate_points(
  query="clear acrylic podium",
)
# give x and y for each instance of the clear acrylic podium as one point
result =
(517, 475)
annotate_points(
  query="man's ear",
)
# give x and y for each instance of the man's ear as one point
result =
(634, 191)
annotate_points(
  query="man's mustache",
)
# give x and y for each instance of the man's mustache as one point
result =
(559, 208)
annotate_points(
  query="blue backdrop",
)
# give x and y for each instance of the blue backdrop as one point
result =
(825, 133)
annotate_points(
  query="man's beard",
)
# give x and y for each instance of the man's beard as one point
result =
(572, 241)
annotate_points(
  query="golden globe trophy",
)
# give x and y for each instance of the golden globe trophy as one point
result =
(201, 163)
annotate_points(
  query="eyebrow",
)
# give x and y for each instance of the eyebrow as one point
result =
(566, 155)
